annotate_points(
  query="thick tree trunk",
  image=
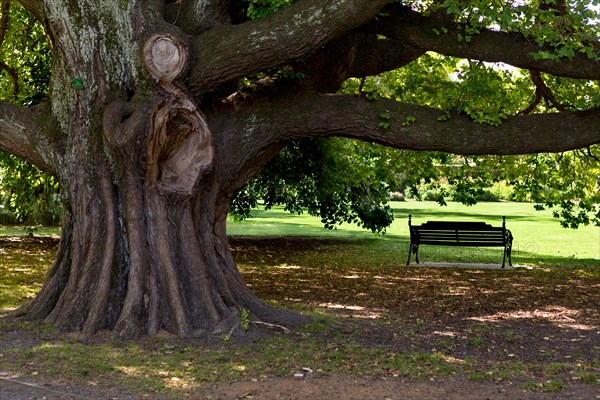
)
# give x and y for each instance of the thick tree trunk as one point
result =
(144, 245)
(136, 260)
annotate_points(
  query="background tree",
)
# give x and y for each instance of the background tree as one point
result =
(160, 111)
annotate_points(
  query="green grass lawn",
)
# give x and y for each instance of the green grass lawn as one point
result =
(19, 230)
(538, 237)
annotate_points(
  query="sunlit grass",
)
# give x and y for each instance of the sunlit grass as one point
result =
(21, 276)
(20, 230)
(538, 237)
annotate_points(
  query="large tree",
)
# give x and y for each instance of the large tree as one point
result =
(159, 111)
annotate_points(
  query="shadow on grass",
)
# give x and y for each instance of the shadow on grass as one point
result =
(420, 215)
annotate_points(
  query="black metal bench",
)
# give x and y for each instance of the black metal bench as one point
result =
(472, 234)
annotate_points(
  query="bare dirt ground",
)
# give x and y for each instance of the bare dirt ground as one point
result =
(490, 318)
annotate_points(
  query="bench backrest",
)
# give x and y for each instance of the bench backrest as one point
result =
(461, 225)
(459, 233)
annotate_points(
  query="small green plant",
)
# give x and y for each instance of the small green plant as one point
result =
(476, 341)
(245, 315)
(225, 338)
(548, 386)
(588, 377)
(409, 120)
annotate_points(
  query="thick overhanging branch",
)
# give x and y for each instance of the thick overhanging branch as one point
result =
(355, 55)
(24, 132)
(232, 52)
(510, 48)
(416, 127)
(195, 17)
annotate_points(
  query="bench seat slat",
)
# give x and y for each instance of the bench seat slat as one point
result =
(463, 244)
(460, 236)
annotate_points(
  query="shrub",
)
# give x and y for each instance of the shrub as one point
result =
(397, 196)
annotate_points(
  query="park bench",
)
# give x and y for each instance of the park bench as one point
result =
(472, 234)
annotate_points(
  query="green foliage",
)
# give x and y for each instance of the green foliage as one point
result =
(26, 52)
(488, 93)
(335, 179)
(385, 117)
(28, 194)
(568, 183)
(262, 8)
(565, 27)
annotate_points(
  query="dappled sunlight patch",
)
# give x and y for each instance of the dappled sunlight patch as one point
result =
(287, 267)
(354, 311)
(458, 290)
(446, 333)
(416, 279)
(556, 315)
(388, 278)
(175, 382)
(450, 359)
(130, 371)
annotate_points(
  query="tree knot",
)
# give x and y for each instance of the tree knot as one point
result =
(179, 144)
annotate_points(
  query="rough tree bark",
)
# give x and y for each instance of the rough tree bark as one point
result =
(151, 150)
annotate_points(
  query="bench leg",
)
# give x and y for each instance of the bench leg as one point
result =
(413, 249)
(507, 251)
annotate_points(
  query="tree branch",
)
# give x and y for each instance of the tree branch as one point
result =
(195, 17)
(415, 127)
(4, 14)
(13, 76)
(24, 132)
(232, 52)
(355, 55)
(510, 48)
(542, 91)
